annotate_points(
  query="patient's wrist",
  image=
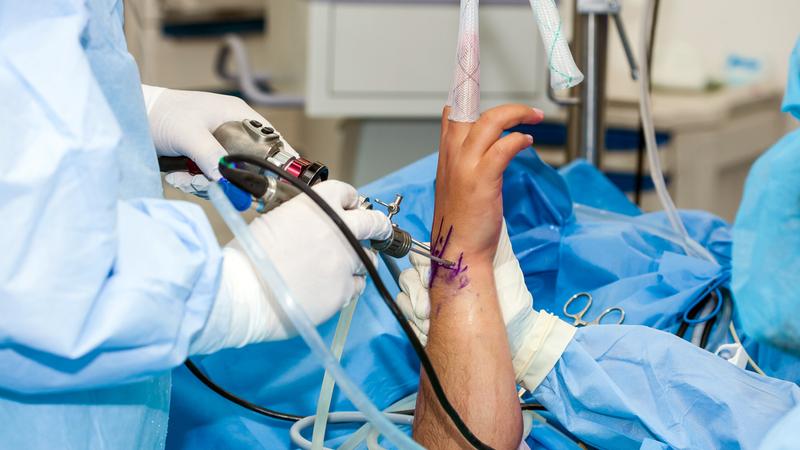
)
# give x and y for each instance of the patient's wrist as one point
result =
(468, 273)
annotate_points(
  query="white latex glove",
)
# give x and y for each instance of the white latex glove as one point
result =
(537, 339)
(318, 265)
(182, 123)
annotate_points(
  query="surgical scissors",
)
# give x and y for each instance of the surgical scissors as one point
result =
(578, 317)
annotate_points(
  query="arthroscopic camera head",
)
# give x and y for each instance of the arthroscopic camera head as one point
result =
(251, 137)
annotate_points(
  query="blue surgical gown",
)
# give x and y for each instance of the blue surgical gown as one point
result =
(766, 251)
(102, 283)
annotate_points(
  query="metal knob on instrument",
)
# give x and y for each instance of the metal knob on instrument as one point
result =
(396, 246)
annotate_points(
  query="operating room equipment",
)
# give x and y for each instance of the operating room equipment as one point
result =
(247, 80)
(269, 192)
(646, 111)
(251, 137)
(401, 242)
(578, 316)
(586, 119)
(591, 19)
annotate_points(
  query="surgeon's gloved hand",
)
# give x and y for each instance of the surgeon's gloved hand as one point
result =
(537, 339)
(182, 123)
(318, 265)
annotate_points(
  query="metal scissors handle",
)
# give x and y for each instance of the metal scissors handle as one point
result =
(578, 317)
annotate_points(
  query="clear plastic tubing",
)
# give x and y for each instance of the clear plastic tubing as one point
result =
(465, 93)
(589, 213)
(361, 434)
(270, 276)
(563, 71)
(295, 431)
(646, 110)
(326, 392)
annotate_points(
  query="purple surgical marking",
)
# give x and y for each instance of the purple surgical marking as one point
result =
(457, 271)
(437, 310)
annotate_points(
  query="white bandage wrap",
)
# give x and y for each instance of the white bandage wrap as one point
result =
(536, 339)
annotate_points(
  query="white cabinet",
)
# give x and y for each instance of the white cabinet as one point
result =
(395, 58)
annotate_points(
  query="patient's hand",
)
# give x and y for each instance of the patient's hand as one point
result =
(469, 207)
(467, 341)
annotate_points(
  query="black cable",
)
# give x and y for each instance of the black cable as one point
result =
(707, 327)
(693, 314)
(532, 407)
(239, 401)
(433, 378)
(639, 181)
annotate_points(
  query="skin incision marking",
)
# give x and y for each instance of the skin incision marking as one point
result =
(457, 272)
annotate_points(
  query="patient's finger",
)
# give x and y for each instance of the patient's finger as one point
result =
(495, 121)
(445, 121)
(456, 134)
(503, 151)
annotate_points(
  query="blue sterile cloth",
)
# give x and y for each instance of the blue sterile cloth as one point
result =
(617, 386)
(619, 263)
(102, 284)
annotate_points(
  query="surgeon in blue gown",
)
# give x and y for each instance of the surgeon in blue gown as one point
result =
(105, 287)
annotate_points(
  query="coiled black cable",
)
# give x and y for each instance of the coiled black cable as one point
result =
(433, 378)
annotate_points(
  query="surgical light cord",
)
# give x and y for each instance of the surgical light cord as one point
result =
(433, 378)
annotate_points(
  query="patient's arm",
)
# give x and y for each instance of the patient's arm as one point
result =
(467, 341)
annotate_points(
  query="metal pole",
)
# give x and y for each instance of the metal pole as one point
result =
(586, 122)
(588, 148)
(594, 93)
(574, 114)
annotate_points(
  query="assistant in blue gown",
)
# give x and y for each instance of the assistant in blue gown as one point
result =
(766, 251)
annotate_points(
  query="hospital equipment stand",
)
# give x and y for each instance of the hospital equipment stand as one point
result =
(586, 119)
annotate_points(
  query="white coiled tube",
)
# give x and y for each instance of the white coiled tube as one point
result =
(465, 93)
(563, 71)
